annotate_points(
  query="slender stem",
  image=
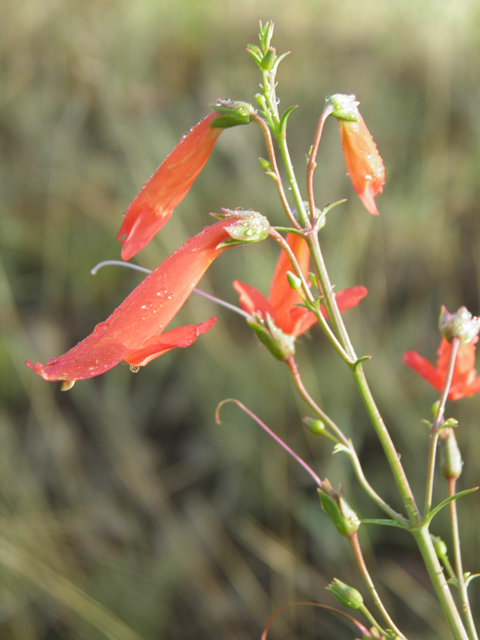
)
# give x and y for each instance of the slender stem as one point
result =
(347, 444)
(312, 164)
(387, 444)
(462, 587)
(435, 571)
(353, 538)
(339, 436)
(204, 294)
(273, 435)
(276, 173)
(329, 298)
(435, 429)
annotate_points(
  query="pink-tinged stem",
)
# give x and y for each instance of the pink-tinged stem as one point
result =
(271, 434)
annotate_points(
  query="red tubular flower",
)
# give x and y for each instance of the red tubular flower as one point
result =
(281, 304)
(364, 164)
(167, 187)
(465, 381)
(134, 331)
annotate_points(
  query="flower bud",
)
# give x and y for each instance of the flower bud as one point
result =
(460, 325)
(280, 344)
(451, 462)
(315, 426)
(344, 106)
(231, 113)
(252, 227)
(294, 281)
(440, 547)
(337, 508)
(348, 596)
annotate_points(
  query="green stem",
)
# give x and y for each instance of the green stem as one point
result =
(387, 444)
(462, 587)
(353, 538)
(435, 429)
(435, 571)
(328, 296)
(338, 438)
(312, 164)
(276, 173)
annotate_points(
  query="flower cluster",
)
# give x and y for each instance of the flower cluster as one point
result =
(136, 331)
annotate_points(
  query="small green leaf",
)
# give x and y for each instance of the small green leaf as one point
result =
(430, 515)
(282, 127)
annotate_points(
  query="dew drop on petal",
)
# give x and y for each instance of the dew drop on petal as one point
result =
(100, 329)
(134, 369)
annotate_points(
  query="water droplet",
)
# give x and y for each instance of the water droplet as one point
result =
(100, 329)
(147, 305)
(52, 361)
(171, 296)
(134, 369)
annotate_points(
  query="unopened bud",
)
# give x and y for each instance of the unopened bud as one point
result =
(451, 462)
(294, 281)
(460, 324)
(231, 113)
(315, 426)
(280, 344)
(345, 107)
(248, 226)
(440, 547)
(348, 596)
(337, 508)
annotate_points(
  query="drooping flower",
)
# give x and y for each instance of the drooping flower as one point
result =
(134, 333)
(167, 187)
(465, 381)
(282, 303)
(364, 164)
(154, 204)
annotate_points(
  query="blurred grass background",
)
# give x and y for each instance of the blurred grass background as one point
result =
(125, 511)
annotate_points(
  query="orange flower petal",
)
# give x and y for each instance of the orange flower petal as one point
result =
(167, 187)
(364, 164)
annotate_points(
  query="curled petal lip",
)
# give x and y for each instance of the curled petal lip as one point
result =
(465, 381)
(283, 302)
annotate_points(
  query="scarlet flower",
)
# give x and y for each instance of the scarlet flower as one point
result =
(134, 331)
(283, 300)
(364, 164)
(154, 204)
(465, 381)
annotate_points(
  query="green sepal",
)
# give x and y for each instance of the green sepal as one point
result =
(252, 227)
(280, 344)
(282, 127)
(346, 595)
(231, 113)
(312, 278)
(269, 59)
(345, 107)
(255, 52)
(266, 166)
(431, 514)
(339, 511)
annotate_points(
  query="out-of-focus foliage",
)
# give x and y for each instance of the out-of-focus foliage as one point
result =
(126, 512)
